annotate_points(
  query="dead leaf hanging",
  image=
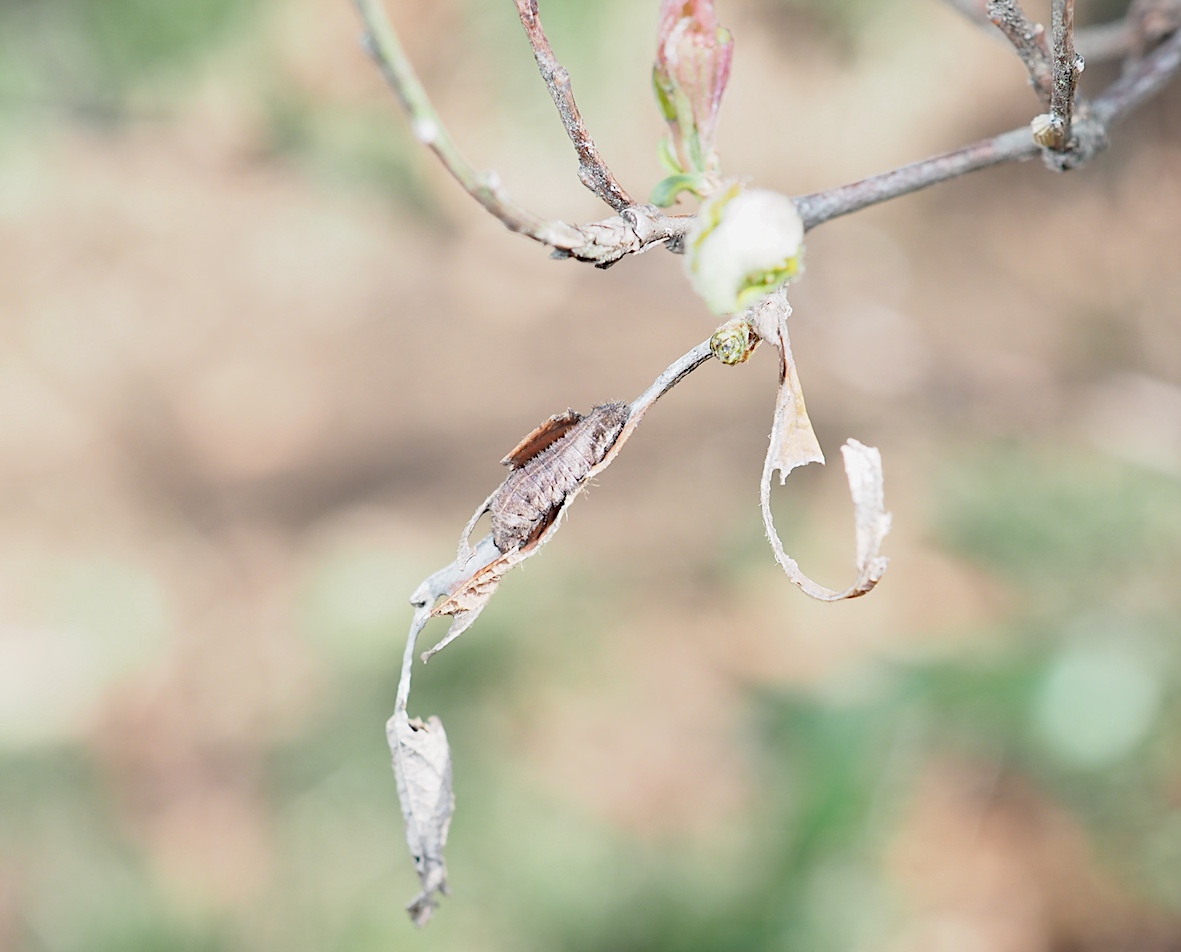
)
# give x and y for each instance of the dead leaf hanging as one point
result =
(794, 443)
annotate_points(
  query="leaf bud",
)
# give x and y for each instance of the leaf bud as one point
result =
(734, 341)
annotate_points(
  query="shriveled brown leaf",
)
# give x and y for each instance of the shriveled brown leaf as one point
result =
(465, 604)
(422, 761)
(543, 436)
(475, 577)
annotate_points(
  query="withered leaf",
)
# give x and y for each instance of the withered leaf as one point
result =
(528, 499)
(466, 603)
(593, 441)
(422, 761)
(794, 443)
(546, 433)
(422, 767)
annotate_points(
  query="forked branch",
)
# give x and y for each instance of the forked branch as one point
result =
(1156, 27)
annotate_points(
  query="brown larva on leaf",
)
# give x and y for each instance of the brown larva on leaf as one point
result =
(549, 464)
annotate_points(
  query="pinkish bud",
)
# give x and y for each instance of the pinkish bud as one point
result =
(693, 58)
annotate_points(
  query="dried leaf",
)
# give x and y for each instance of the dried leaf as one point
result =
(422, 761)
(466, 603)
(863, 465)
(547, 433)
(595, 441)
(794, 443)
(422, 766)
(528, 499)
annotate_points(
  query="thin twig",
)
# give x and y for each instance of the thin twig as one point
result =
(819, 207)
(1068, 66)
(1124, 95)
(1145, 80)
(592, 170)
(484, 187)
(640, 227)
(636, 229)
(1029, 40)
(1096, 44)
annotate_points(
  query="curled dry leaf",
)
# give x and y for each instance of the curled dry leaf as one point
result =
(547, 466)
(422, 766)
(550, 467)
(548, 470)
(794, 443)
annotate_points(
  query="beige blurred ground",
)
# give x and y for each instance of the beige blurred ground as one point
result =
(221, 370)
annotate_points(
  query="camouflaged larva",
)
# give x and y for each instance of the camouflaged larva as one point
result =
(548, 465)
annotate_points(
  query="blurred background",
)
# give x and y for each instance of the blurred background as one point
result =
(259, 358)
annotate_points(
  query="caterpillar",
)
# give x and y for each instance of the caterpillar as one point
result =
(548, 465)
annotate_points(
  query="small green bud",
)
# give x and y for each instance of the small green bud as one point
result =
(734, 341)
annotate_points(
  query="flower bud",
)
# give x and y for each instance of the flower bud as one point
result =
(693, 57)
(744, 244)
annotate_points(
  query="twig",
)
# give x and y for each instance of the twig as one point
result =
(636, 229)
(1096, 44)
(640, 227)
(1148, 77)
(1029, 40)
(592, 170)
(1068, 66)
(974, 10)
(819, 207)
(1105, 41)
(484, 187)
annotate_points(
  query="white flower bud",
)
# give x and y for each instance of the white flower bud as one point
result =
(744, 244)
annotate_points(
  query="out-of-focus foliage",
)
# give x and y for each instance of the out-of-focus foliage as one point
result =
(244, 408)
(84, 55)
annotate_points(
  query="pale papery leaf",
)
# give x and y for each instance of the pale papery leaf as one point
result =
(422, 767)
(421, 758)
(863, 466)
(422, 761)
(794, 443)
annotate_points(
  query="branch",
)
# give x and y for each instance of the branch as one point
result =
(1147, 78)
(1149, 22)
(592, 170)
(1096, 44)
(383, 44)
(640, 227)
(819, 207)
(1105, 41)
(1029, 40)
(636, 229)
(1068, 66)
